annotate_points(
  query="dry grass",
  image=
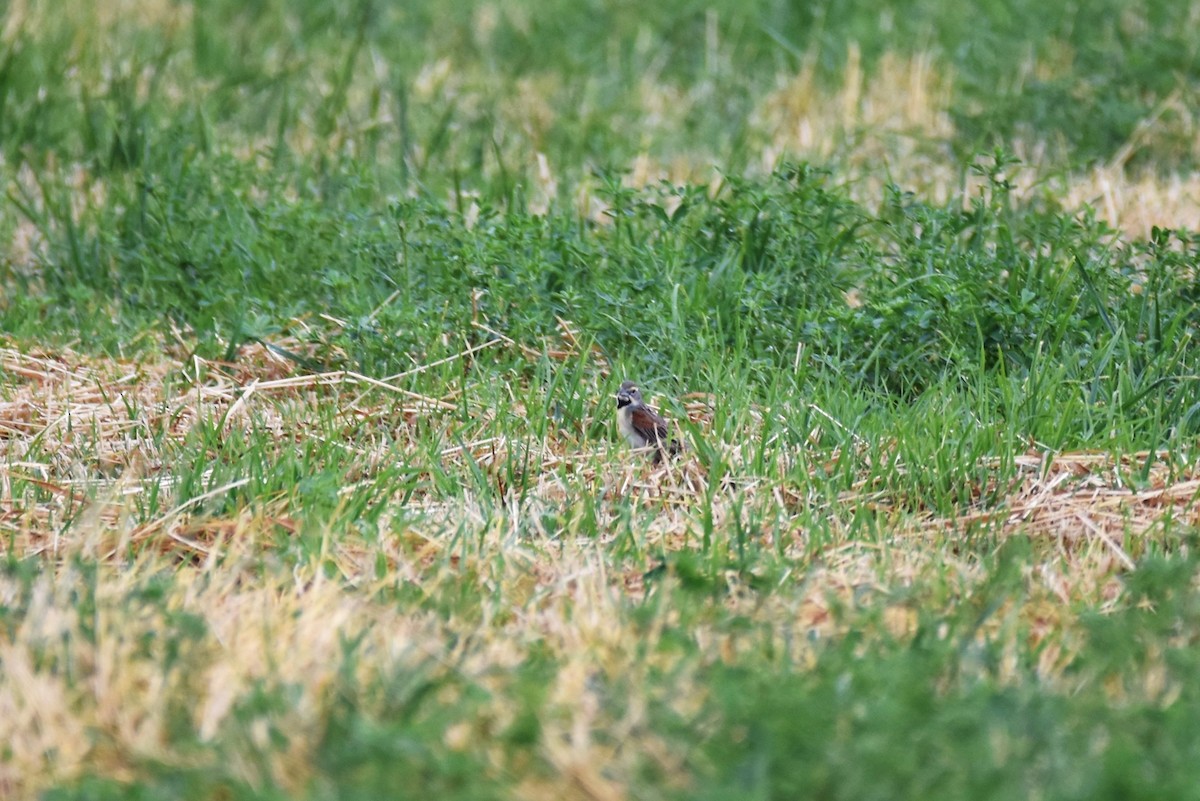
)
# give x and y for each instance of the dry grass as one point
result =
(887, 122)
(82, 438)
(896, 127)
(1134, 204)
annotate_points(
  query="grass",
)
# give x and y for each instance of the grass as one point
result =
(312, 318)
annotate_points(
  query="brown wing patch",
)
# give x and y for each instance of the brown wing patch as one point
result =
(649, 425)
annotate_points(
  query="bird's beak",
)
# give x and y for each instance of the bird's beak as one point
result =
(623, 399)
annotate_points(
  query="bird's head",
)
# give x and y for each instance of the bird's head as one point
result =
(628, 394)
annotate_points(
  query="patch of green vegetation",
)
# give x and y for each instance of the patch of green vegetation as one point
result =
(952, 711)
(961, 703)
(1027, 310)
(358, 83)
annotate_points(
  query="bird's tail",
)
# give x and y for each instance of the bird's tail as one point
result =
(672, 448)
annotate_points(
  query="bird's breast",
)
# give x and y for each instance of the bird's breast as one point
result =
(625, 426)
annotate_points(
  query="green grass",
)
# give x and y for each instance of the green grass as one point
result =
(310, 487)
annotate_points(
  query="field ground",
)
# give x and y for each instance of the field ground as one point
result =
(312, 318)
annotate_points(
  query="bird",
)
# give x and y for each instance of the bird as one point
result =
(640, 425)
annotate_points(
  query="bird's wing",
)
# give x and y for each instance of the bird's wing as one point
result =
(649, 425)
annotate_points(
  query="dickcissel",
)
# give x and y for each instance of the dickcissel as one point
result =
(641, 426)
